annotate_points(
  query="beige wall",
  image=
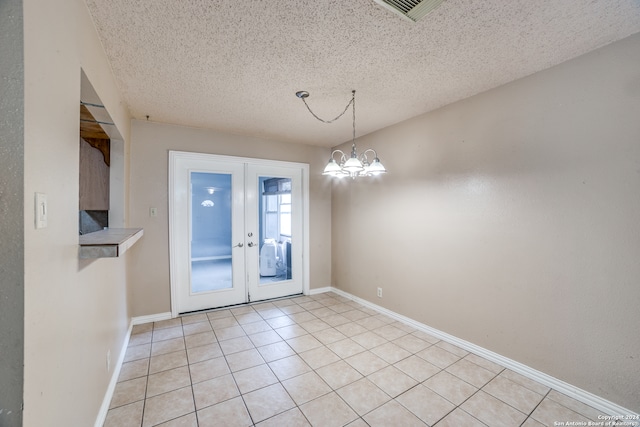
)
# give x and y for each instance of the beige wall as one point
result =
(150, 147)
(512, 220)
(74, 311)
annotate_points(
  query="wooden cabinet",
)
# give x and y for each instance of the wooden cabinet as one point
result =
(94, 178)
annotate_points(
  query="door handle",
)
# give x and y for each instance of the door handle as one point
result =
(251, 244)
(239, 245)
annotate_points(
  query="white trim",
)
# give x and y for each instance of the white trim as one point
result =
(104, 408)
(172, 239)
(583, 396)
(305, 228)
(139, 320)
(316, 291)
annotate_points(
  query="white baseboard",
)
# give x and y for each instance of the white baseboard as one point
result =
(104, 408)
(139, 320)
(597, 402)
(316, 291)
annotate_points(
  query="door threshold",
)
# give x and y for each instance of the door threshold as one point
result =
(225, 307)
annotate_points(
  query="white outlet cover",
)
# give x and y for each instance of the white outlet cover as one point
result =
(40, 210)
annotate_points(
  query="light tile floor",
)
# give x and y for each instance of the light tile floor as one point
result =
(323, 361)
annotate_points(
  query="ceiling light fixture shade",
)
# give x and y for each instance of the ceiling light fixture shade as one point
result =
(374, 168)
(333, 169)
(353, 166)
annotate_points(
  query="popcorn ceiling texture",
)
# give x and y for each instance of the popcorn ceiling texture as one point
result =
(235, 65)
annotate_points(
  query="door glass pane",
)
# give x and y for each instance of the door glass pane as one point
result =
(275, 229)
(210, 231)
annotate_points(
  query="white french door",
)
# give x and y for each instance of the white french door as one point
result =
(237, 230)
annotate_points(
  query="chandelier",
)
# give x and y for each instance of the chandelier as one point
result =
(355, 165)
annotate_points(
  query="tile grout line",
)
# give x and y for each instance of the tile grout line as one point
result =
(323, 345)
(536, 407)
(459, 406)
(240, 395)
(146, 386)
(193, 393)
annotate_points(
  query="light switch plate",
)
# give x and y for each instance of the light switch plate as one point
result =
(41, 209)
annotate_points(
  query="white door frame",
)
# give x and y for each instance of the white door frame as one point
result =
(174, 233)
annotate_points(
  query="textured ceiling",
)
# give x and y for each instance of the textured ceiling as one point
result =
(235, 65)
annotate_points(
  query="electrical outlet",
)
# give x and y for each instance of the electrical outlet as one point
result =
(379, 292)
(108, 360)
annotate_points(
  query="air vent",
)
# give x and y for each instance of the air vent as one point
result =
(410, 9)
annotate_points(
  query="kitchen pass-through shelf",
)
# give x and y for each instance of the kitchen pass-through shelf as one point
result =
(108, 243)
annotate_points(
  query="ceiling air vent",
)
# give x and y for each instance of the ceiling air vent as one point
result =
(410, 9)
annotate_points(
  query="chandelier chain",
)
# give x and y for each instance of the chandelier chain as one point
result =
(353, 101)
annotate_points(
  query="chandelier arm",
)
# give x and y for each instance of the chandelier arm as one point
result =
(363, 156)
(343, 157)
(353, 96)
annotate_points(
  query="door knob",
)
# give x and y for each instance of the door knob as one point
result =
(239, 245)
(251, 244)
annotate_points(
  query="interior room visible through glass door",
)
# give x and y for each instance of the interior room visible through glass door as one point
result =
(211, 245)
(275, 229)
(275, 213)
